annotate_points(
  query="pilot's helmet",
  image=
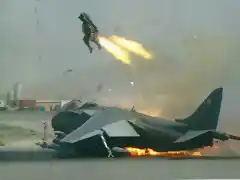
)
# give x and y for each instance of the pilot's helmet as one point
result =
(81, 17)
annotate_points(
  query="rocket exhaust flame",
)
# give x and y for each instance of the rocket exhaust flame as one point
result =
(116, 51)
(132, 46)
(120, 47)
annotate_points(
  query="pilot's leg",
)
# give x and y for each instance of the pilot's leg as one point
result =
(96, 40)
(98, 44)
(86, 39)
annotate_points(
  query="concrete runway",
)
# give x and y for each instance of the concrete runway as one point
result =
(105, 169)
(114, 169)
(22, 128)
(32, 120)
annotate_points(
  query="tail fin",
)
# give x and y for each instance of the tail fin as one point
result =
(207, 114)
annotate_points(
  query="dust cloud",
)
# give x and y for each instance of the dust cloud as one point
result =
(176, 85)
(194, 45)
(182, 73)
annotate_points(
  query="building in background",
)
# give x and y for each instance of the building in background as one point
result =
(48, 105)
(17, 93)
(27, 104)
(2, 101)
(11, 95)
(8, 98)
(2, 105)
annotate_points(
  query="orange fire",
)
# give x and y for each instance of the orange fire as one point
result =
(151, 152)
(211, 147)
(151, 112)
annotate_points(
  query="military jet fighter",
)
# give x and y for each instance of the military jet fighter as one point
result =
(90, 130)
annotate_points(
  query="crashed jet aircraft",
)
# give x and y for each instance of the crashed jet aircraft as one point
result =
(91, 130)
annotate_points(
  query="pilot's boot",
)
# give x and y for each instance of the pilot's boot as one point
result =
(90, 49)
(99, 46)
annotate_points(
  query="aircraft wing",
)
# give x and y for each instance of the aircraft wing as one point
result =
(108, 120)
(191, 134)
(120, 128)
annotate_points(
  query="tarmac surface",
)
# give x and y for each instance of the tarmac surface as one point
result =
(25, 127)
(114, 169)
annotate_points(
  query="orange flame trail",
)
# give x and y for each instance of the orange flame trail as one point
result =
(132, 46)
(120, 47)
(115, 50)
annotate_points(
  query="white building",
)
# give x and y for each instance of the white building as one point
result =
(17, 91)
(11, 94)
(2, 104)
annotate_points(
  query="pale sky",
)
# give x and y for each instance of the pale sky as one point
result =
(184, 70)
